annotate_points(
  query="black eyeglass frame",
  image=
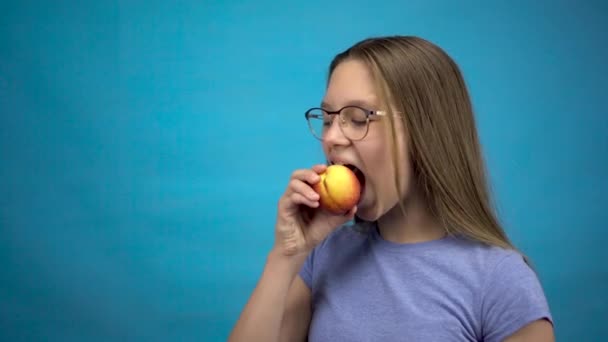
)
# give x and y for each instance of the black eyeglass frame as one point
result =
(368, 113)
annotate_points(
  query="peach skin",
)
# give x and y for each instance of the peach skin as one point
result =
(339, 189)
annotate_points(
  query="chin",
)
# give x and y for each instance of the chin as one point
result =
(368, 213)
(371, 209)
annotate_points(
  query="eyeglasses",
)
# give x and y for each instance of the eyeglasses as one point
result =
(353, 121)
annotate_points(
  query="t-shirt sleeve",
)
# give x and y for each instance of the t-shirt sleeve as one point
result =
(306, 270)
(512, 298)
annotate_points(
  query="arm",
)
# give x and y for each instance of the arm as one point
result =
(297, 315)
(279, 308)
(537, 331)
(514, 306)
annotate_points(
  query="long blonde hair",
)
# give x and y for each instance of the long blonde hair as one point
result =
(424, 84)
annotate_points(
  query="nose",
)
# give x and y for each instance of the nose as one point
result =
(334, 135)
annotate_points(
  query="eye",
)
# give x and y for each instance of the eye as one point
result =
(356, 116)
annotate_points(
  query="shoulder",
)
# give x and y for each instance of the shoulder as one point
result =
(512, 296)
(491, 263)
(483, 255)
(507, 267)
(498, 268)
(474, 261)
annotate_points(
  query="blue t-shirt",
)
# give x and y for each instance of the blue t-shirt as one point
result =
(365, 288)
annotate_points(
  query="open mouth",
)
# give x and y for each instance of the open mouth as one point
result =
(358, 173)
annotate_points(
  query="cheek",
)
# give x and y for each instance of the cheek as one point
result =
(382, 171)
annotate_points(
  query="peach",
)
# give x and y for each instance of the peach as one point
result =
(339, 189)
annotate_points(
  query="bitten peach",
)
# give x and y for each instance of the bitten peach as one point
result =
(339, 189)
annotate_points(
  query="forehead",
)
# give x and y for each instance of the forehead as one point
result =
(351, 82)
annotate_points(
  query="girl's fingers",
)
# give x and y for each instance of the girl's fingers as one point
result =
(319, 168)
(299, 199)
(297, 186)
(310, 176)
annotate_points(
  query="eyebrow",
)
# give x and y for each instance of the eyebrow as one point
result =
(359, 103)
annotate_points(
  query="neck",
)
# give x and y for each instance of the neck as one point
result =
(417, 225)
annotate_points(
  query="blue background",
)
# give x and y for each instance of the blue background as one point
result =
(144, 145)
